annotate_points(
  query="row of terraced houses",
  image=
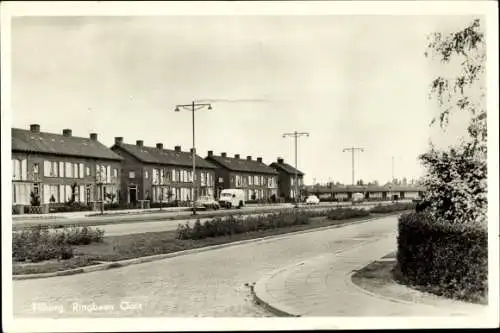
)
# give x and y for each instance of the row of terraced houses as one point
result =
(56, 167)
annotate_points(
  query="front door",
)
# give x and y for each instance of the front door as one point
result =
(132, 195)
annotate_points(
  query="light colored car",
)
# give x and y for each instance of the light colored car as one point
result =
(207, 202)
(232, 198)
(312, 200)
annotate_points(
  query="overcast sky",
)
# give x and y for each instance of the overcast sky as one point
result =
(347, 80)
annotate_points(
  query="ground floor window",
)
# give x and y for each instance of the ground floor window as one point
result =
(21, 193)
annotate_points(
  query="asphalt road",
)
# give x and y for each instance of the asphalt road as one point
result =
(210, 283)
(176, 217)
(166, 225)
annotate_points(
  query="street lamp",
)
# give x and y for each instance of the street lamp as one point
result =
(296, 135)
(193, 107)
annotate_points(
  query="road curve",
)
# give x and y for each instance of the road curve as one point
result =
(210, 283)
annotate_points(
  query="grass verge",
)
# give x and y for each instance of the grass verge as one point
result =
(116, 248)
(381, 277)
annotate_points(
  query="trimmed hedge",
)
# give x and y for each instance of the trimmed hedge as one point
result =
(346, 213)
(396, 207)
(444, 258)
(39, 244)
(237, 225)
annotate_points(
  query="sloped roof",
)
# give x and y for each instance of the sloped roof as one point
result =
(57, 144)
(241, 165)
(165, 156)
(286, 168)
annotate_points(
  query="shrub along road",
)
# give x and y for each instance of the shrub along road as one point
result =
(210, 283)
(158, 216)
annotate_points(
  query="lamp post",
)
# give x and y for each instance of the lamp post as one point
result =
(353, 150)
(193, 107)
(296, 135)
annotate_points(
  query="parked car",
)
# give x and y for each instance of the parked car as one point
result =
(312, 200)
(357, 197)
(207, 202)
(232, 197)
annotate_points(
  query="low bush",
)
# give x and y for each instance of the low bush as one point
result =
(236, 225)
(72, 207)
(396, 207)
(38, 244)
(346, 213)
(449, 259)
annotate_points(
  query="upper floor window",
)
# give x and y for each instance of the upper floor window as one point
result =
(131, 174)
(146, 175)
(50, 169)
(115, 173)
(87, 171)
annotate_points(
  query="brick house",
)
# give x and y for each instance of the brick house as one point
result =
(155, 173)
(286, 178)
(258, 180)
(49, 164)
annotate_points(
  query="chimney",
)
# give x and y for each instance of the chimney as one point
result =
(210, 153)
(236, 156)
(35, 128)
(259, 159)
(280, 160)
(118, 140)
(223, 154)
(249, 158)
(139, 143)
(93, 136)
(159, 145)
(67, 132)
(177, 148)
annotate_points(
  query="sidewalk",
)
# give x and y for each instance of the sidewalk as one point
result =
(322, 286)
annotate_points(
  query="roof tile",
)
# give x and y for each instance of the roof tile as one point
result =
(57, 144)
(166, 156)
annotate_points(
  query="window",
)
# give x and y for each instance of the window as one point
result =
(50, 191)
(16, 169)
(61, 169)
(75, 170)
(87, 171)
(256, 180)
(131, 175)
(173, 175)
(36, 169)
(146, 175)
(162, 176)
(115, 173)
(108, 174)
(155, 176)
(61, 193)
(21, 193)
(81, 170)
(250, 180)
(69, 170)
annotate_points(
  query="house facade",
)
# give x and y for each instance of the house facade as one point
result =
(286, 178)
(57, 166)
(256, 179)
(161, 175)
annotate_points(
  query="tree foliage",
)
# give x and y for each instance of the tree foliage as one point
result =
(465, 90)
(456, 179)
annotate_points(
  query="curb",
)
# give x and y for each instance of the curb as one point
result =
(141, 260)
(349, 281)
(282, 311)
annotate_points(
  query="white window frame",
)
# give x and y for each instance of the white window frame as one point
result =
(131, 174)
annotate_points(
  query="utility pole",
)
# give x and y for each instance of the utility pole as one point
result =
(353, 150)
(193, 107)
(296, 135)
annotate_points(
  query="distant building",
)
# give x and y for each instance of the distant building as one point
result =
(258, 180)
(286, 178)
(158, 174)
(50, 165)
